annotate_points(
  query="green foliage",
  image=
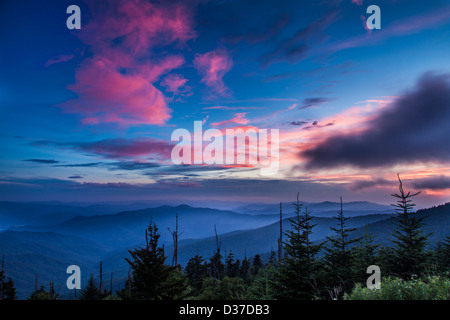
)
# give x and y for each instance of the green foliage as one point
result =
(152, 278)
(409, 256)
(196, 271)
(40, 294)
(225, 289)
(7, 288)
(339, 257)
(263, 284)
(296, 275)
(91, 292)
(394, 288)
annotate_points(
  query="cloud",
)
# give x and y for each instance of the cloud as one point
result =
(401, 27)
(76, 176)
(413, 128)
(298, 45)
(59, 59)
(313, 102)
(176, 84)
(239, 118)
(367, 184)
(213, 66)
(117, 148)
(432, 183)
(298, 123)
(116, 84)
(45, 161)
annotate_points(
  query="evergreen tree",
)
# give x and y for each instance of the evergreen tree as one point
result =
(263, 284)
(365, 255)
(224, 289)
(196, 271)
(215, 266)
(296, 275)
(231, 266)
(152, 279)
(272, 258)
(39, 294)
(443, 255)
(8, 291)
(256, 265)
(244, 270)
(91, 292)
(176, 286)
(409, 254)
(339, 257)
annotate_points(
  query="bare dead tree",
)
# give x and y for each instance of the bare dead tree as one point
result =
(101, 277)
(175, 235)
(280, 239)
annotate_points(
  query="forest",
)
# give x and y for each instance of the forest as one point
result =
(300, 269)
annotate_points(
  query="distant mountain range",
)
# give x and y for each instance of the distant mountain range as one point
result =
(86, 235)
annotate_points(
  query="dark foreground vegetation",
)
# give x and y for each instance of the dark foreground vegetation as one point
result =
(298, 269)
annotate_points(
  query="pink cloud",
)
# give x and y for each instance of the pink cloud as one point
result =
(176, 84)
(59, 59)
(358, 2)
(116, 84)
(213, 66)
(239, 118)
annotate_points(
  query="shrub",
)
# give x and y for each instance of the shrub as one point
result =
(428, 288)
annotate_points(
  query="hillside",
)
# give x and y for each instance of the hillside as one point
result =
(125, 229)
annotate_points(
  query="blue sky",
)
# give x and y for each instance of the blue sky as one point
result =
(87, 114)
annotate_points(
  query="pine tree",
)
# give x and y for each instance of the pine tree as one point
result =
(39, 294)
(244, 270)
(296, 275)
(196, 271)
(91, 292)
(231, 266)
(7, 289)
(152, 279)
(443, 255)
(339, 257)
(409, 255)
(365, 255)
(256, 265)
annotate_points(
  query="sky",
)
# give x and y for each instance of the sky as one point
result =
(88, 114)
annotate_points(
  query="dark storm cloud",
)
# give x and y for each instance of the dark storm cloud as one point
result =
(313, 102)
(44, 161)
(296, 47)
(120, 165)
(366, 184)
(298, 123)
(414, 128)
(115, 148)
(76, 176)
(282, 33)
(433, 183)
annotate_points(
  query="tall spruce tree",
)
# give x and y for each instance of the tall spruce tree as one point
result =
(365, 255)
(7, 288)
(256, 265)
(196, 271)
(339, 257)
(152, 279)
(91, 292)
(410, 240)
(296, 275)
